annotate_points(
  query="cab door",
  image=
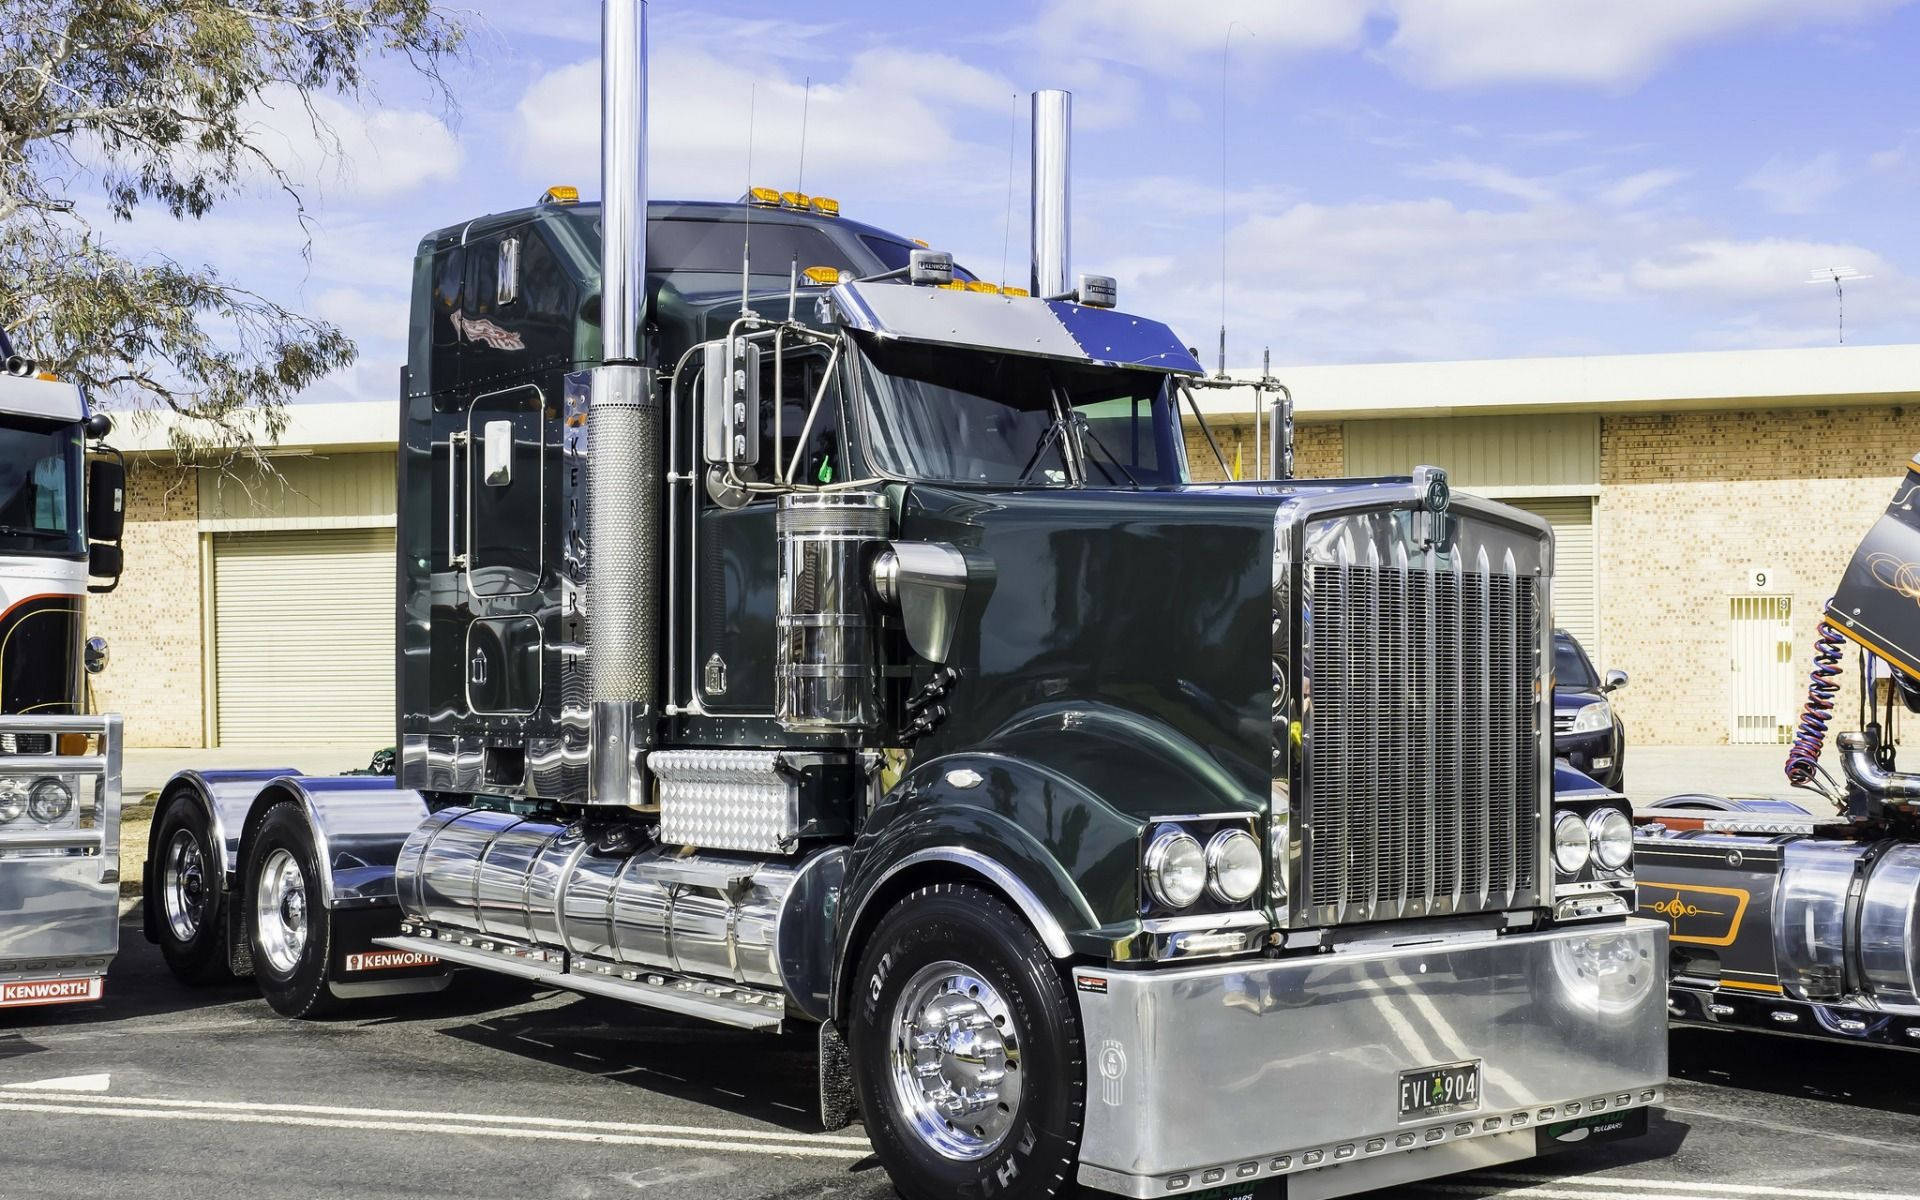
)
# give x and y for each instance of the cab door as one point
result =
(736, 556)
(499, 540)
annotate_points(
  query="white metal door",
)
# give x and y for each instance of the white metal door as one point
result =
(1762, 670)
(303, 637)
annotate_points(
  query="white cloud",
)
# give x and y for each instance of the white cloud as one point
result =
(1637, 187)
(1486, 176)
(1596, 42)
(1442, 43)
(1164, 36)
(1747, 270)
(345, 153)
(1797, 187)
(890, 117)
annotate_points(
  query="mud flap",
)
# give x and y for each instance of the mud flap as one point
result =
(836, 1079)
(361, 969)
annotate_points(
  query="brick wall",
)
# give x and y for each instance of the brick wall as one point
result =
(1689, 503)
(152, 621)
(1319, 449)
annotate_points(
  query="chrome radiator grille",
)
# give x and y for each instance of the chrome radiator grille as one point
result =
(1422, 756)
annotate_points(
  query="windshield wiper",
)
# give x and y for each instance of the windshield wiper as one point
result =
(1086, 429)
(59, 535)
(1053, 433)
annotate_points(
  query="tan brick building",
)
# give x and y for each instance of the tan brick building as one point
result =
(1706, 505)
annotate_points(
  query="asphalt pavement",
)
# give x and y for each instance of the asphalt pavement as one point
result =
(498, 1089)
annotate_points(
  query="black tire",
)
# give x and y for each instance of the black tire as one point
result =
(189, 894)
(292, 978)
(1034, 1155)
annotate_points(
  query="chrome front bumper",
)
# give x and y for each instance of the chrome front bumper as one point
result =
(1211, 1075)
(60, 888)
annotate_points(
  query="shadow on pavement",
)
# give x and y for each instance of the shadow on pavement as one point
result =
(1861, 1076)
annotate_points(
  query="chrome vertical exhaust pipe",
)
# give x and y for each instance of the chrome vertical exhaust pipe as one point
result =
(1050, 206)
(623, 435)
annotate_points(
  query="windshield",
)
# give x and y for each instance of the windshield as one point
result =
(964, 415)
(1571, 670)
(40, 474)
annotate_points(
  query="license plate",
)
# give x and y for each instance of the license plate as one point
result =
(1433, 1091)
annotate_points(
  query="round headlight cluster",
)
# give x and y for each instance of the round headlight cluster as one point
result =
(1572, 843)
(47, 800)
(1233, 866)
(50, 800)
(1179, 870)
(1612, 835)
(1176, 868)
(13, 800)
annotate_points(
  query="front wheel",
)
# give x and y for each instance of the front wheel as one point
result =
(967, 1051)
(287, 923)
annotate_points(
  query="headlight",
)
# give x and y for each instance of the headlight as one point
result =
(1176, 868)
(1612, 836)
(50, 801)
(1593, 718)
(1571, 843)
(13, 800)
(1233, 866)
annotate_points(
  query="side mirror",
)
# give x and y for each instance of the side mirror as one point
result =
(96, 655)
(106, 500)
(1614, 682)
(105, 561)
(730, 402)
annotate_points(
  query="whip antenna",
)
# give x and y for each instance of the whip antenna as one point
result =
(806, 102)
(746, 237)
(1006, 226)
(1226, 46)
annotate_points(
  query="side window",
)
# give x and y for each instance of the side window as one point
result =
(449, 286)
(823, 459)
(482, 276)
(545, 309)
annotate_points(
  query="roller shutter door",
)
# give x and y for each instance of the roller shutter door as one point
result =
(303, 637)
(1576, 599)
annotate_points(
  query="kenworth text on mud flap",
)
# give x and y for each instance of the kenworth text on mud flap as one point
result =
(1804, 919)
(839, 642)
(60, 524)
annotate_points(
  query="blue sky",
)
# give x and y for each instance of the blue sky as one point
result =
(1405, 179)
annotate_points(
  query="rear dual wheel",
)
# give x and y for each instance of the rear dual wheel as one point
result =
(287, 923)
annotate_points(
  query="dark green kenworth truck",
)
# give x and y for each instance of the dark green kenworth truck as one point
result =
(841, 643)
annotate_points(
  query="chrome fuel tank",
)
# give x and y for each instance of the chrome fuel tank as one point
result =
(1847, 920)
(539, 884)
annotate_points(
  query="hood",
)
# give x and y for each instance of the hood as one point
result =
(1130, 616)
(1568, 700)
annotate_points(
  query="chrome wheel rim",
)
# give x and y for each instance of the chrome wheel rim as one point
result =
(280, 911)
(184, 888)
(956, 1061)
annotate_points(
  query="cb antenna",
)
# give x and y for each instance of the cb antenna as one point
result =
(806, 101)
(1006, 227)
(746, 237)
(1839, 277)
(1226, 46)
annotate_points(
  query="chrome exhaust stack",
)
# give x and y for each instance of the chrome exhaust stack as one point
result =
(1051, 202)
(623, 434)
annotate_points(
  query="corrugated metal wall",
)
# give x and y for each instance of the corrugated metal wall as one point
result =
(1547, 463)
(341, 491)
(303, 637)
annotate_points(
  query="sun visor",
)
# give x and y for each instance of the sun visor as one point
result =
(1878, 601)
(47, 399)
(1012, 324)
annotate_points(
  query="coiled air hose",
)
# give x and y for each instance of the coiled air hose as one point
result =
(1810, 738)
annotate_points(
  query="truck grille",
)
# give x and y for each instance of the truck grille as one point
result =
(1423, 742)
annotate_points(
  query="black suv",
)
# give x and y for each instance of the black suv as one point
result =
(1586, 733)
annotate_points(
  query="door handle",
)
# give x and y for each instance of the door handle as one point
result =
(456, 557)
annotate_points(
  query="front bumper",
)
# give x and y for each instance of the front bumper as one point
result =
(1251, 1070)
(60, 888)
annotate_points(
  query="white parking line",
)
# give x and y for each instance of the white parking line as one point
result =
(1690, 1187)
(685, 1137)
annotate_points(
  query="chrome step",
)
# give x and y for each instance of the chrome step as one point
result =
(722, 1003)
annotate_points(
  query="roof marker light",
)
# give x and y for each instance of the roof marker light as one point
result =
(561, 193)
(824, 276)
